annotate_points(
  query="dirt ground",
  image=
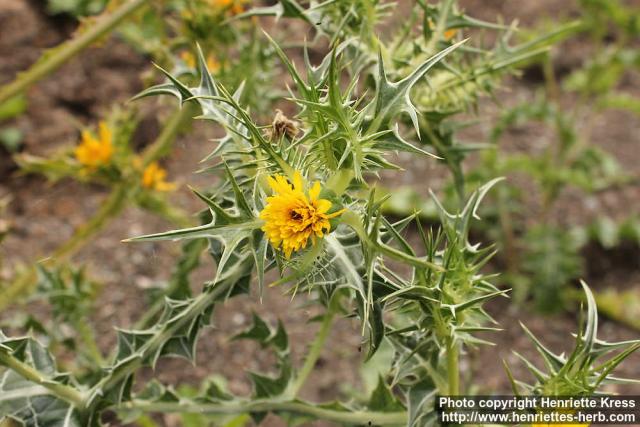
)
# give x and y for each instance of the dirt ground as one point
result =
(44, 215)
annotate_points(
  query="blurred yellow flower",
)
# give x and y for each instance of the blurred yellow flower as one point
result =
(190, 60)
(154, 178)
(92, 152)
(235, 7)
(292, 216)
(449, 34)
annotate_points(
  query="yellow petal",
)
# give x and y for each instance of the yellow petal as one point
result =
(322, 206)
(104, 133)
(87, 138)
(335, 214)
(315, 191)
(297, 181)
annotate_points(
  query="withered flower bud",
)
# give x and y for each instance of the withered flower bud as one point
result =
(282, 125)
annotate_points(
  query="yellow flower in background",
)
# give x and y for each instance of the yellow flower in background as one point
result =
(292, 216)
(235, 7)
(154, 178)
(449, 34)
(92, 152)
(190, 60)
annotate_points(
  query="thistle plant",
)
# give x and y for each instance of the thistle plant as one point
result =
(296, 210)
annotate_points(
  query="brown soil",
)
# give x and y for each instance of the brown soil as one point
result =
(43, 216)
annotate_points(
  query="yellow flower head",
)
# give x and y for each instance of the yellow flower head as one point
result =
(292, 215)
(92, 152)
(153, 178)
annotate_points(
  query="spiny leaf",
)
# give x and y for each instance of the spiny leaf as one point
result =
(393, 98)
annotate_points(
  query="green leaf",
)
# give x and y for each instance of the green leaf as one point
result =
(383, 400)
(29, 403)
(393, 98)
(259, 331)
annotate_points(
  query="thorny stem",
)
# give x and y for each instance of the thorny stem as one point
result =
(355, 417)
(49, 63)
(316, 348)
(59, 390)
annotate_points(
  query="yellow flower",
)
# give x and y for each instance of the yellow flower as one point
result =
(93, 152)
(292, 216)
(190, 60)
(235, 7)
(449, 34)
(221, 3)
(153, 178)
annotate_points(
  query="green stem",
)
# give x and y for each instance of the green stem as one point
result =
(355, 417)
(49, 62)
(453, 370)
(62, 391)
(314, 351)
